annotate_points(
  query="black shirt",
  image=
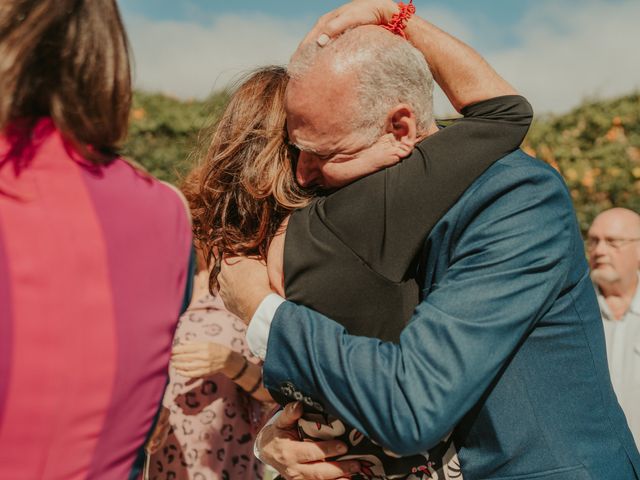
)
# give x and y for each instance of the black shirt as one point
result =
(353, 255)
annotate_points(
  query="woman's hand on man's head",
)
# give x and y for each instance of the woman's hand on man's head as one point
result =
(350, 15)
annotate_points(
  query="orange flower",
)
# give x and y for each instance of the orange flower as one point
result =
(138, 113)
(616, 133)
(588, 180)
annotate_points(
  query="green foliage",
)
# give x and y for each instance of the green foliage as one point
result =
(163, 136)
(596, 147)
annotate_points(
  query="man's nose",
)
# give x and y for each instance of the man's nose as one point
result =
(599, 248)
(306, 170)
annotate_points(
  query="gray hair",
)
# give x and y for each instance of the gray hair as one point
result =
(389, 71)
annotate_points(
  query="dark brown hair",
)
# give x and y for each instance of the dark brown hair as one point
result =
(69, 60)
(244, 186)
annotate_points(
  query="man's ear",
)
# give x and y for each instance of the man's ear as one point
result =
(401, 122)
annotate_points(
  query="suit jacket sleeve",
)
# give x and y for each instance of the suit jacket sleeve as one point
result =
(512, 235)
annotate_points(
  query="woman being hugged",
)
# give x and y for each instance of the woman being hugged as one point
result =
(239, 194)
(94, 253)
(244, 187)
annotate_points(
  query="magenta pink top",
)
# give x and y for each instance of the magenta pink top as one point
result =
(93, 263)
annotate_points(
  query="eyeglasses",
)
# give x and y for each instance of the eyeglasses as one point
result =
(615, 243)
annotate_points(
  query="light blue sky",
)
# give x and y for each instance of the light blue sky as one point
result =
(493, 16)
(500, 10)
(558, 52)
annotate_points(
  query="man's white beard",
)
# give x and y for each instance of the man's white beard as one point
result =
(607, 277)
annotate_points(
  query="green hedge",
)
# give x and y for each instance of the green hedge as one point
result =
(163, 135)
(596, 147)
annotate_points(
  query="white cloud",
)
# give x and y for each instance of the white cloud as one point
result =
(562, 54)
(447, 20)
(566, 54)
(190, 60)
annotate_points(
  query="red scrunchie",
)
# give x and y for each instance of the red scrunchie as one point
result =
(399, 21)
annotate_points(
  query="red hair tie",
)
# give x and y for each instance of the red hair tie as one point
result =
(399, 21)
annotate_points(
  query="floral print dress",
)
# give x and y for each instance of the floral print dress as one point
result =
(211, 422)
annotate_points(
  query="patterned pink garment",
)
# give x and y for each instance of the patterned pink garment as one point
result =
(213, 421)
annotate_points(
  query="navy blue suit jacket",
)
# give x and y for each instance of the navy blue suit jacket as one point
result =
(506, 349)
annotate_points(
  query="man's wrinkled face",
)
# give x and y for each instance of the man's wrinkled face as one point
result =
(320, 127)
(613, 248)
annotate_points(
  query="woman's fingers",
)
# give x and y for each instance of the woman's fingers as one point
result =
(193, 365)
(320, 26)
(288, 418)
(327, 470)
(350, 15)
(317, 451)
(193, 373)
(189, 365)
(189, 348)
(279, 446)
(189, 357)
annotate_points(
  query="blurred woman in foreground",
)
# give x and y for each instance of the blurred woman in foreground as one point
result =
(93, 252)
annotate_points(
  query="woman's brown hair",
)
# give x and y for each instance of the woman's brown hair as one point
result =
(244, 186)
(68, 60)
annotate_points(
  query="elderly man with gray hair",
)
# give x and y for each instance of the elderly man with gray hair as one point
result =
(613, 244)
(385, 72)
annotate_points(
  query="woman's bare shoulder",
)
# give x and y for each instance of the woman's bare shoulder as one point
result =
(275, 259)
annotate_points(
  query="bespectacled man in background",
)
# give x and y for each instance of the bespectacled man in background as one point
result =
(613, 244)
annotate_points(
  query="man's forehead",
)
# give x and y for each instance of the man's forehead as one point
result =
(614, 223)
(296, 104)
(603, 228)
(318, 107)
(320, 84)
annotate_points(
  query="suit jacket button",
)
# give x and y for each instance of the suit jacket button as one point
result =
(287, 389)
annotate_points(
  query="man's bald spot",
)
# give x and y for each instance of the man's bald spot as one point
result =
(628, 218)
(348, 51)
(384, 69)
(361, 43)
